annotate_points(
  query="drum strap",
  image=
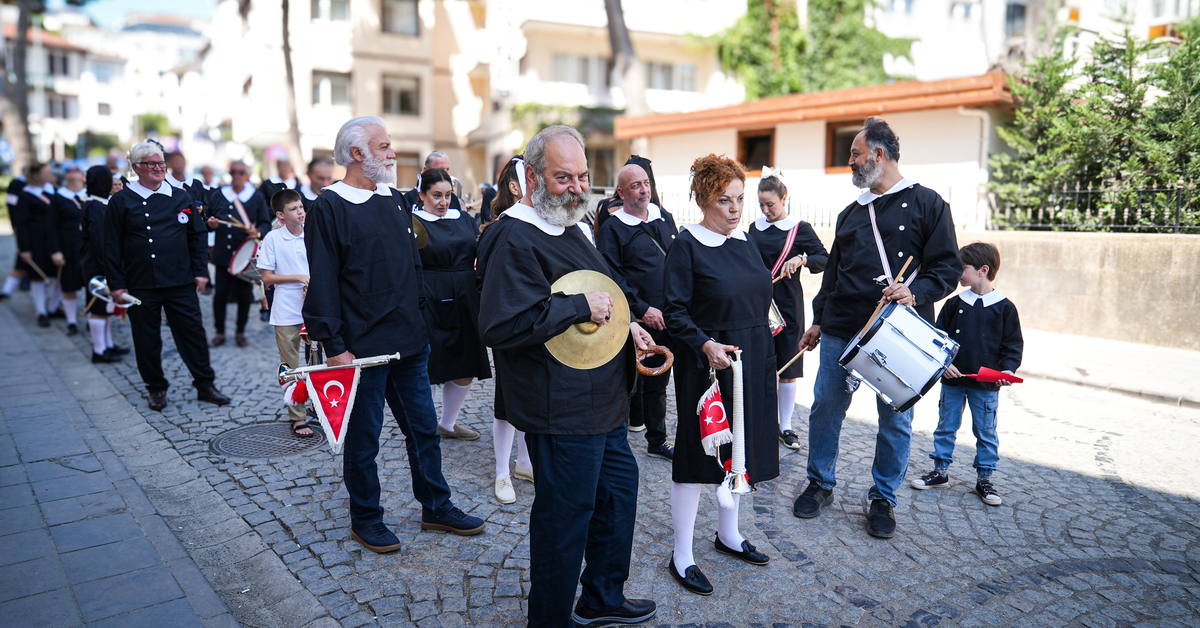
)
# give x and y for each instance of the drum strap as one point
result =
(887, 268)
(246, 219)
(787, 248)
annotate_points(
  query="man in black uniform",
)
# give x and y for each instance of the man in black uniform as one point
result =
(154, 246)
(237, 203)
(363, 301)
(436, 159)
(574, 420)
(635, 245)
(320, 176)
(18, 273)
(283, 179)
(912, 221)
(179, 179)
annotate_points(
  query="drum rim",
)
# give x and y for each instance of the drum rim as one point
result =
(253, 254)
(865, 335)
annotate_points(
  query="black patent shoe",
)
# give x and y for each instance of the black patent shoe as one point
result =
(120, 350)
(693, 579)
(748, 553)
(631, 612)
(72, 329)
(43, 320)
(105, 358)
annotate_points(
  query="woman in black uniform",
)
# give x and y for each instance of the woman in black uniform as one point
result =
(68, 207)
(91, 263)
(717, 297)
(37, 235)
(770, 233)
(457, 354)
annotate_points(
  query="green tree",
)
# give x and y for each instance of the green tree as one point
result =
(1172, 141)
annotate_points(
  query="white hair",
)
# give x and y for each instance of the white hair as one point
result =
(141, 151)
(353, 134)
(434, 155)
(535, 150)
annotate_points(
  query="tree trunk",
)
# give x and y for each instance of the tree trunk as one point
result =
(16, 95)
(294, 150)
(631, 77)
(774, 15)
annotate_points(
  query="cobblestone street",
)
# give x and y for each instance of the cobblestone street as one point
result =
(1098, 525)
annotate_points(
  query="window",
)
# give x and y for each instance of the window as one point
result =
(105, 109)
(400, 95)
(103, 72)
(400, 17)
(686, 74)
(60, 107)
(331, 89)
(1014, 19)
(408, 166)
(331, 10)
(584, 70)
(659, 75)
(600, 166)
(838, 138)
(960, 11)
(900, 7)
(58, 64)
(756, 149)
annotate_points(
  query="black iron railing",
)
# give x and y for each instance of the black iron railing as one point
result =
(1165, 209)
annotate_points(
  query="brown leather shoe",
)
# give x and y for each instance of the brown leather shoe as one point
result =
(158, 400)
(217, 340)
(240, 339)
(212, 395)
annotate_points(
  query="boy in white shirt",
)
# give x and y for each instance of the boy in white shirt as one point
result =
(284, 265)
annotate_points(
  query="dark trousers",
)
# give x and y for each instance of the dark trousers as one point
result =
(182, 307)
(648, 407)
(584, 507)
(240, 291)
(405, 385)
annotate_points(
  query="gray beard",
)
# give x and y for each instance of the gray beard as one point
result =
(866, 176)
(562, 210)
(375, 169)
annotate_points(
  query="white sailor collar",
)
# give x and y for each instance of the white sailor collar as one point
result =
(176, 183)
(290, 183)
(711, 238)
(969, 297)
(145, 192)
(67, 193)
(902, 184)
(525, 213)
(358, 196)
(652, 213)
(242, 196)
(783, 224)
(306, 190)
(49, 188)
(451, 214)
(100, 199)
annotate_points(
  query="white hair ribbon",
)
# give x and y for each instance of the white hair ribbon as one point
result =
(520, 166)
(768, 172)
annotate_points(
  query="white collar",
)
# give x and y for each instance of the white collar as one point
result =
(587, 232)
(66, 192)
(306, 190)
(451, 214)
(290, 183)
(286, 234)
(652, 213)
(969, 297)
(525, 213)
(711, 238)
(243, 196)
(101, 199)
(145, 192)
(358, 196)
(176, 183)
(783, 224)
(902, 184)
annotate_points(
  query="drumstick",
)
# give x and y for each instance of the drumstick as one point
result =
(884, 300)
(39, 270)
(89, 305)
(790, 362)
(234, 223)
(776, 280)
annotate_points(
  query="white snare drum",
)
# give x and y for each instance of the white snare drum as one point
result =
(242, 265)
(899, 355)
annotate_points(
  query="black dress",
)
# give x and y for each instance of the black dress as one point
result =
(451, 300)
(36, 233)
(68, 210)
(721, 292)
(91, 260)
(788, 293)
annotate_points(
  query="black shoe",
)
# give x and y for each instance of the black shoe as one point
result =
(454, 520)
(664, 451)
(631, 612)
(119, 350)
(105, 358)
(212, 395)
(376, 537)
(72, 329)
(693, 579)
(158, 400)
(934, 479)
(789, 439)
(987, 492)
(113, 356)
(811, 501)
(59, 313)
(881, 520)
(748, 553)
(5, 296)
(43, 320)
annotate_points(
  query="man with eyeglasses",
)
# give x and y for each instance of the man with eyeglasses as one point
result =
(154, 247)
(235, 204)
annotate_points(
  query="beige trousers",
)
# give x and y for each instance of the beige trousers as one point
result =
(287, 337)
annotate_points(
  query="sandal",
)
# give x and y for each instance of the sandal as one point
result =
(299, 425)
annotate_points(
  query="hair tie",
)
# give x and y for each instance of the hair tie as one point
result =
(768, 172)
(520, 164)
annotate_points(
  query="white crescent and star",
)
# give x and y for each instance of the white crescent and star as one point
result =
(713, 406)
(333, 401)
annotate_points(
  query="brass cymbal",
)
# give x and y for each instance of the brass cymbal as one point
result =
(588, 345)
(421, 233)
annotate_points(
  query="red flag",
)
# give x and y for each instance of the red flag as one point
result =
(714, 424)
(332, 392)
(990, 376)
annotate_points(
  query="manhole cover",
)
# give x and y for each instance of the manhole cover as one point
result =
(269, 440)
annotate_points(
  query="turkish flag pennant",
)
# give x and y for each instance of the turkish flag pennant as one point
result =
(332, 392)
(714, 424)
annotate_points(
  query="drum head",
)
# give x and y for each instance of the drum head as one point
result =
(242, 257)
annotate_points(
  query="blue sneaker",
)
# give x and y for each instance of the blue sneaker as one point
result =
(376, 537)
(454, 520)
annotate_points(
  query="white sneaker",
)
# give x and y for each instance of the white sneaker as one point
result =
(521, 473)
(504, 490)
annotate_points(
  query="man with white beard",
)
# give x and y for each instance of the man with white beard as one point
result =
(913, 221)
(365, 278)
(586, 477)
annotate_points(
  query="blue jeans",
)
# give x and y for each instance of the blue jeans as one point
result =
(830, 402)
(405, 385)
(983, 424)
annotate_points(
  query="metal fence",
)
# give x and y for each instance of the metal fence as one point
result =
(686, 212)
(1147, 210)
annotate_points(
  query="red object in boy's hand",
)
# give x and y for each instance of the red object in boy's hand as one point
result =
(991, 376)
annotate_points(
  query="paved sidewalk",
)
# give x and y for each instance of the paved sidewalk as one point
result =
(79, 542)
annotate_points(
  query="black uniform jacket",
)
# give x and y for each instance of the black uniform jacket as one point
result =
(365, 274)
(91, 223)
(153, 239)
(230, 238)
(273, 185)
(638, 251)
(195, 189)
(913, 221)
(988, 331)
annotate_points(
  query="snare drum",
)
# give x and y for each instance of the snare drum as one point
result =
(242, 265)
(899, 355)
(775, 319)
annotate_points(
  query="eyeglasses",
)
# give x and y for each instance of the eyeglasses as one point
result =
(237, 172)
(153, 165)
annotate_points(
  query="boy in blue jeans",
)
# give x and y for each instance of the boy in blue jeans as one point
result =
(985, 323)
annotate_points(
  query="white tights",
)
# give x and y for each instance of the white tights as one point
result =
(453, 398)
(502, 438)
(685, 503)
(787, 405)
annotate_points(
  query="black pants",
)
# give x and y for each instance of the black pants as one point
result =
(584, 507)
(648, 407)
(182, 307)
(241, 291)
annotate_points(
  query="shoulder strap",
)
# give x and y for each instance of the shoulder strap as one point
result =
(887, 268)
(787, 247)
(237, 203)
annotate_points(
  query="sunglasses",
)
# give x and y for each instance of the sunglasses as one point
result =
(237, 172)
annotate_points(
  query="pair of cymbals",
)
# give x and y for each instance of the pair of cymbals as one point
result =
(420, 233)
(587, 345)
